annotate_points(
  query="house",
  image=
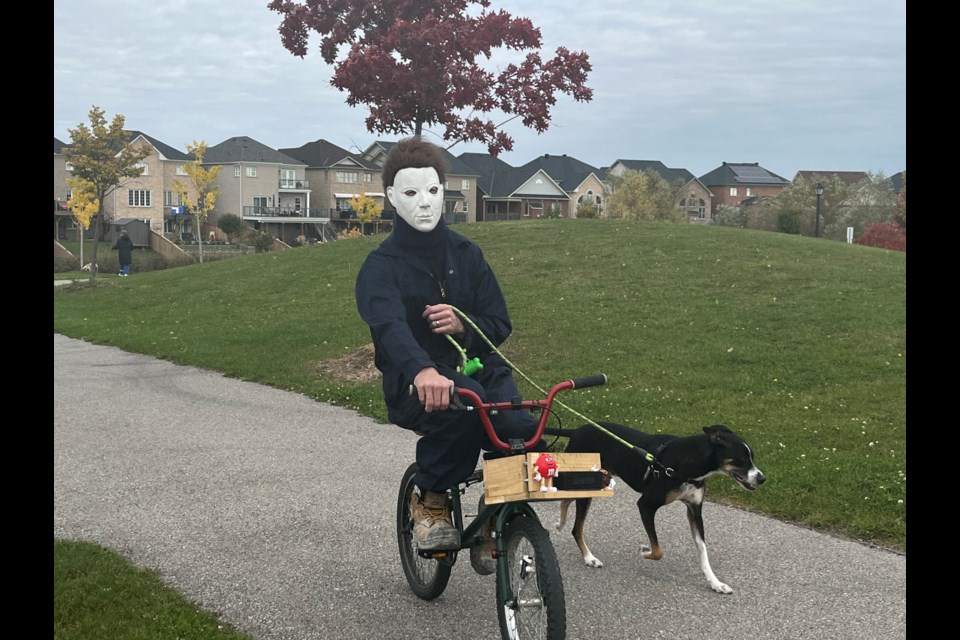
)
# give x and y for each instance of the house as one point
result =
(581, 182)
(690, 195)
(335, 176)
(547, 185)
(734, 182)
(896, 182)
(147, 197)
(491, 172)
(266, 188)
(458, 190)
(64, 227)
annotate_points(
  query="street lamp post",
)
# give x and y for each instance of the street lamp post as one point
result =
(819, 191)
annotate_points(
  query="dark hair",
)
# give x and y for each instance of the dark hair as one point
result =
(413, 152)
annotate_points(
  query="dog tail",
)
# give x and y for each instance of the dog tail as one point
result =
(563, 433)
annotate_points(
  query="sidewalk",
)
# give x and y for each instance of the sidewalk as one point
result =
(278, 512)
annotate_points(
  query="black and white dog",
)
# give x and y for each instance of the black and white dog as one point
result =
(682, 465)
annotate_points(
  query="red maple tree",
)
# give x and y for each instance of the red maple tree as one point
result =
(416, 63)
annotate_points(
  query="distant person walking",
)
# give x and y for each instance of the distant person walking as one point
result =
(124, 248)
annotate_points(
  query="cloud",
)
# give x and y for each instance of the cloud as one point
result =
(789, 84)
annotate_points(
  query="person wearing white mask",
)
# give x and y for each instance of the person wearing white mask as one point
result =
(404, 292)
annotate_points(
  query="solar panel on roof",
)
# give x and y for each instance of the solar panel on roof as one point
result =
(755, 175)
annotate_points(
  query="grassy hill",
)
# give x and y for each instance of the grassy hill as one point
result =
(796, 343)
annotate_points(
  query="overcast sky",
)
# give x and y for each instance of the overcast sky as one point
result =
(794, 85)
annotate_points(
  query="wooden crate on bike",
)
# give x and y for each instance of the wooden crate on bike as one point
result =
(511, 479)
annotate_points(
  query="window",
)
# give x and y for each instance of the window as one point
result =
(138, 197)
(347, 176)
(259, 204)
(464, 185)
(466, 206)
(749, 192)
(296, 204)
(146, 169)
(733, 191)
(251, 172)
(69, 166)
(534, 208)
(168, 198)
(181, 171)
(368, 177)
(236, 171)
(288, 179)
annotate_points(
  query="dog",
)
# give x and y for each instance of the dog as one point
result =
(682, 465)
(86, 267)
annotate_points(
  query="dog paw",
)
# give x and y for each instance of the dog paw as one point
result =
(719, 587)
(592, 561)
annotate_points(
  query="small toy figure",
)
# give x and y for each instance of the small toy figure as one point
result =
(546, 471)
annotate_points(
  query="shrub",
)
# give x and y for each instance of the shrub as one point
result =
(788, 222)
(231, 224)
(262, 242)
(587, 211)
(728, 216)
(884, 235)
(62, 264)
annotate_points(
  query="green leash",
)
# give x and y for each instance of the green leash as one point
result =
(646, 455)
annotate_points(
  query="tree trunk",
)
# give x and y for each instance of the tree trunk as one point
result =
(199, 239)
(96, 246)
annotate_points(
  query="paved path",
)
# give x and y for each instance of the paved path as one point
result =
(278, 512)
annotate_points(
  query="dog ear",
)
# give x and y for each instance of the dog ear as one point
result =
(716, 431)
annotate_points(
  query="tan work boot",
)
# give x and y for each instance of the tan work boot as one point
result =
(481, 555)
(433, 528)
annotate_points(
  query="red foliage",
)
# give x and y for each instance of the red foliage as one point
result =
(884, 235)
(414, 63)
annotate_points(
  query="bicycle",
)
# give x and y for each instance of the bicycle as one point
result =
(529, 591)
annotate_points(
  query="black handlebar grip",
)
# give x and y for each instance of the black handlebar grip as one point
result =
(589, 381)
(412, 389)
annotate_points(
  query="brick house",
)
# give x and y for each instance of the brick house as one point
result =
(734, 182)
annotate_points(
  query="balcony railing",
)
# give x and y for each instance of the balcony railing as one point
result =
(290, 212)
(294, 184)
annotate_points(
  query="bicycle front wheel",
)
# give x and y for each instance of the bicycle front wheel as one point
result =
(534, 606)
(427, 577)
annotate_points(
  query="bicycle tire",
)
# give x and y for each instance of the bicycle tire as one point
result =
(537, 609)
(427, 577)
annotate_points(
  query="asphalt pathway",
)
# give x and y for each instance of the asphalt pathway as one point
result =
(277, 512)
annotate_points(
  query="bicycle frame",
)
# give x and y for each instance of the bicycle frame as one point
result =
(509, 510)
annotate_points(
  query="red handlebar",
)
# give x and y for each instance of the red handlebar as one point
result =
(483, 408)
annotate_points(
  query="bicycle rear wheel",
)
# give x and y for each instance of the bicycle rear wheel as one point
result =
(427, 577)
(535, 608)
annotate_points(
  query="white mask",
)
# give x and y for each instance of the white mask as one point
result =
(418, 197)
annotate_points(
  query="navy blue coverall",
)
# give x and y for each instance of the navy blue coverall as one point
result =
(392, 289)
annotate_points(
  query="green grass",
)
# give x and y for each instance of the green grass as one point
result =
(798, 344)
(96, 594)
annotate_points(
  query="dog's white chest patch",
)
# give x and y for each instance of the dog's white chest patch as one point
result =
(690, 493)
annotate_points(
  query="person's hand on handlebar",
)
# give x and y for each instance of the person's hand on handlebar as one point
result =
(433, 389)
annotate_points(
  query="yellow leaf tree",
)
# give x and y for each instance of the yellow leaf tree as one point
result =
(83, 205)
(102, 155)
(199, 193)
(365, 206)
